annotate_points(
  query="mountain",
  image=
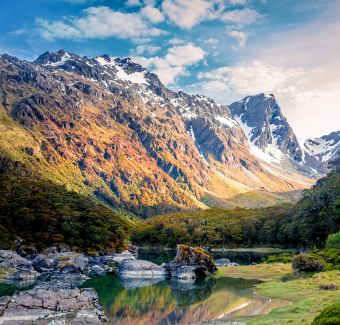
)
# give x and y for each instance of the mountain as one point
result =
(108, 128)
(318, 151)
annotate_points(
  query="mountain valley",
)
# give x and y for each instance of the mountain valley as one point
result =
(109, 129)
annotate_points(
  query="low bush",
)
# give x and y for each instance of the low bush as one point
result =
(305, 262)
(284, 258)
(329, 316)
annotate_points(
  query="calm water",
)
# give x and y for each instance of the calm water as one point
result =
(170, 302)
(163, 256)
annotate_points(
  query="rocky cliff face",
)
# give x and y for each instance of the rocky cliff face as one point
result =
(272, 139)
(108, 128)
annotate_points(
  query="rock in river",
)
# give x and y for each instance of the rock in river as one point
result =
(138, 268)
(191, 263)
(53, 299)
(123, 256)
(11, 260)
(225, 262)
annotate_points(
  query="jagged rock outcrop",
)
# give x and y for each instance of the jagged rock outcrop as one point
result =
(191, 263)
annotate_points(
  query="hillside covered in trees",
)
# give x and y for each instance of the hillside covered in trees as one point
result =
(307, 223)
(43, 214)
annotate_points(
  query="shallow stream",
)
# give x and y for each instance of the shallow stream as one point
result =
(170, 302)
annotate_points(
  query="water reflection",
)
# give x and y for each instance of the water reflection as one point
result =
(172, 302)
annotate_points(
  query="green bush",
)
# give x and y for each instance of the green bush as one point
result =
(284, 258)
(329, 316)
(304, 262)
(333, 240)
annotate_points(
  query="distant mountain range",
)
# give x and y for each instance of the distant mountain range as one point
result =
(108, 128)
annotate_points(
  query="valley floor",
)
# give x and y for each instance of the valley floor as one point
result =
(305, 291)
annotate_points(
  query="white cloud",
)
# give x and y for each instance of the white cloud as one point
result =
(241, 17)
(187, 13)
(145, 49)
(131, 3)
(100, 22)
(79, 1)
(255, 78)
(240, 36)
(153, 14)
(211, 41)
(175, 63)
(176, 41)
(238, 2)
(52, 30)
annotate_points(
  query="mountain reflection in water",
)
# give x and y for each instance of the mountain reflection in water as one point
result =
(157, 301)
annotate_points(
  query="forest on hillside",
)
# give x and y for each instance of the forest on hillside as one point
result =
(43, 214)
(307, 223)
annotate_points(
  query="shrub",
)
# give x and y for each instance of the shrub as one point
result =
(329, 316)
(284, 258)
(333, 240)
(304, 262)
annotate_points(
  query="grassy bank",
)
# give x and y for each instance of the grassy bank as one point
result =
(304, 290)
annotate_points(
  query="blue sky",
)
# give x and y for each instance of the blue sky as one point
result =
(225, 49)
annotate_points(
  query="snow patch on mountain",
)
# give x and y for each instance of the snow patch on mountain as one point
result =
(227, 121)
(135, 78)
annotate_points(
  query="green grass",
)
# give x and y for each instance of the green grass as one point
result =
(304, 290)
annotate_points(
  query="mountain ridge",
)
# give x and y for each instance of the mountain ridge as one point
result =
(109, 128)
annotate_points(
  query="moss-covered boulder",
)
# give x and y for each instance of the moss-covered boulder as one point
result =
(191, 262)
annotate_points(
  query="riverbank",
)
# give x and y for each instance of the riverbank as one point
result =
(308, 292)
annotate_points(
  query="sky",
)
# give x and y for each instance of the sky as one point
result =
(224, 49)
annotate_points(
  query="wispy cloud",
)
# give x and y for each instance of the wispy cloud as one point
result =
(141, 49)
(241, 17)
(211, 41)
(240, 36)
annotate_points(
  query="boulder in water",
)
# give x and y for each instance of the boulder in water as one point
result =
(126, 255)
(137, 268)
(191, 262)
(10, 260)
(225, 262)
(53, 299)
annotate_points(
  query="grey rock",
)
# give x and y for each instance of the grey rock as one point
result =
(253, 263)
(42, 263)
(3, 303)
(225, 262)
(80, 262)
(222, 262)
(10, 260)
(133, 249)
(53, 299)
(183, 272)
(138, 268)
(123, 256)
(23, 276)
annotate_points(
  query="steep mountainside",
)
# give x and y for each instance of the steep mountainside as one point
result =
(318, 151)
(108, 128)
(272, 139)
